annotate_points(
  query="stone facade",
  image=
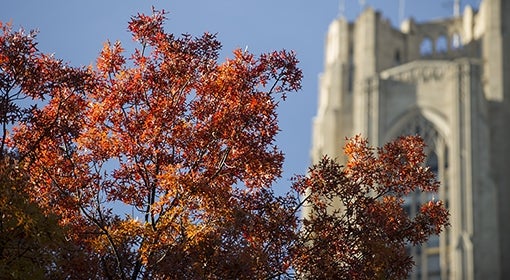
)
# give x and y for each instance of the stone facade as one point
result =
(449, 81)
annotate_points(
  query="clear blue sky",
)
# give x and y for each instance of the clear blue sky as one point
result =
(75, 30)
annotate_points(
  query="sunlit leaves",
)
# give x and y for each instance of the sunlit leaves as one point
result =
(159, 162)
(185, 142)
(110, 60)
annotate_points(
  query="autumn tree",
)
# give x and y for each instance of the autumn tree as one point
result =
(33, 244)
(185, 142)
(160, 164)
(357, 226)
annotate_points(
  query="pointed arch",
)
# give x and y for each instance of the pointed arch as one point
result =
(430, 124)
(431, 258)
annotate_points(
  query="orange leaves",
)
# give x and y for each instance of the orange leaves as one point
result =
(110, 59)
(186, 144)
(172, 135)
(358, 152)
(397, 163)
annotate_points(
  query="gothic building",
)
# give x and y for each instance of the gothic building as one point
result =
(449, 81)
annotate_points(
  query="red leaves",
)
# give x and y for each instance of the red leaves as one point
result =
(356, 213)
(402, 162)
(148, 28)
(187, 143)
(110, 60)
(172, 134)
(284, 69)
(429, 221)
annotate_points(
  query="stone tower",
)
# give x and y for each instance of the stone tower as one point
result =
(449, 81)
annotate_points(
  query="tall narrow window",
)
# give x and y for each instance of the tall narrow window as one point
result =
(396, 57)
(456, 41)
(441, 44)
(431, 258)
(426, 47)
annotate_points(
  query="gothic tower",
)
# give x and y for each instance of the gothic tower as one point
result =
(449, 81)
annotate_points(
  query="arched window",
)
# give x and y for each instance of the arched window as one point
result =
(430, 258)
(441, 44)
(456, 41)
(426, 47)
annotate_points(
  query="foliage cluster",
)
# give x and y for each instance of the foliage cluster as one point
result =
(187, 145)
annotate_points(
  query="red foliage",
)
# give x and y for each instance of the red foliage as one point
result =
(356, 222)
(187, 145)
(186, 142)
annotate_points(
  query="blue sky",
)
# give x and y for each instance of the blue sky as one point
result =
(76, 30)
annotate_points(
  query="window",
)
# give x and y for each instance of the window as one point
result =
(430, 258)
(426, 47)
(456, 41)
(396, 57)
(441, 44)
